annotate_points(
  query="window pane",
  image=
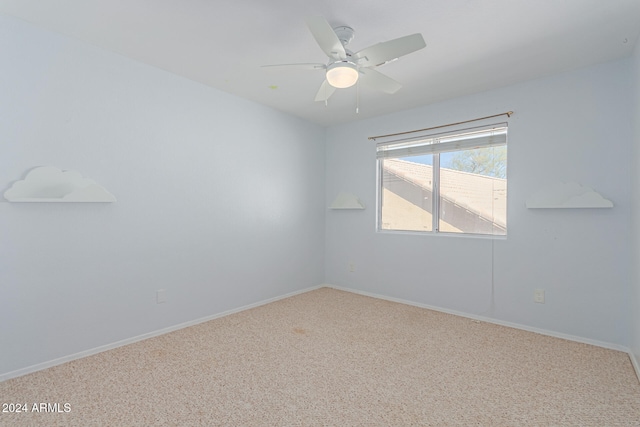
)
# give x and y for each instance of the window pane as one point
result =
(473, 191)
(406, 193)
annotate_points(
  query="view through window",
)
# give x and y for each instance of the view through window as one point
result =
(445, 183)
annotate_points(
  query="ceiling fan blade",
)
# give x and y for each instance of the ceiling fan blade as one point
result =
(297, 66)
(378, 81)
(325, 91)
(384, 52)
(326, 37)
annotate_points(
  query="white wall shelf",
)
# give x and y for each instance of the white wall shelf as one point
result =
(50, 184)
(346, 201)
(567, 196)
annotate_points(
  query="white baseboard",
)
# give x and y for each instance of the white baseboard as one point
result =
(575, 338)
(634, 362)
(96, 350)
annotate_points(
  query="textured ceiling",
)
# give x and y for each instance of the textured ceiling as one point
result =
(472, 45)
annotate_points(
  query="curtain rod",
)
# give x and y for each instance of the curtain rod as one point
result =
(508, 114)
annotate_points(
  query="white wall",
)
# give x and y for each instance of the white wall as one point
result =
(218, 203)
(635, 185)
(220, 200)
(569, 127)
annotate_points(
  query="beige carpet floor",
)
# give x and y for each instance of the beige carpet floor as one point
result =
(334, 358)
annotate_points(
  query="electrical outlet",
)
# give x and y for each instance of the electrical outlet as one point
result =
(352, 267)
(538, 296)
(160, 296)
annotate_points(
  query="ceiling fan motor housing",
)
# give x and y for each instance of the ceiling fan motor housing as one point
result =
(345, 34)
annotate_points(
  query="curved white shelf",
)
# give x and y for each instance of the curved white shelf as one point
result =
(346, 201)
(567, 195)
(50, 184)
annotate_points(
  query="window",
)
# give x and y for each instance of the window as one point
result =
(446, 183)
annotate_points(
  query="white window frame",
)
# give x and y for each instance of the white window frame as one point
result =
(494, 135)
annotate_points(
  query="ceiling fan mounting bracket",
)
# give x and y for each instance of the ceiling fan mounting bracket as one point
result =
(345, 34)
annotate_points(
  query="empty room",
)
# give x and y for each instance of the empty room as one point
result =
(320, 213)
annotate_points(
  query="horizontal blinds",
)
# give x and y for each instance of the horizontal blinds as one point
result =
(491, 136)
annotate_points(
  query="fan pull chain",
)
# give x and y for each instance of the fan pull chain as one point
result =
(357, 97)
(326, 98)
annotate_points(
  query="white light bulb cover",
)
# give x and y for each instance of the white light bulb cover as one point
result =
(342, 74)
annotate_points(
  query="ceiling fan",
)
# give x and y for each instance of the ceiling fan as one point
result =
(345, 68)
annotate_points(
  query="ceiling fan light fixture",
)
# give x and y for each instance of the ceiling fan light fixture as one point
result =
(342, 74)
